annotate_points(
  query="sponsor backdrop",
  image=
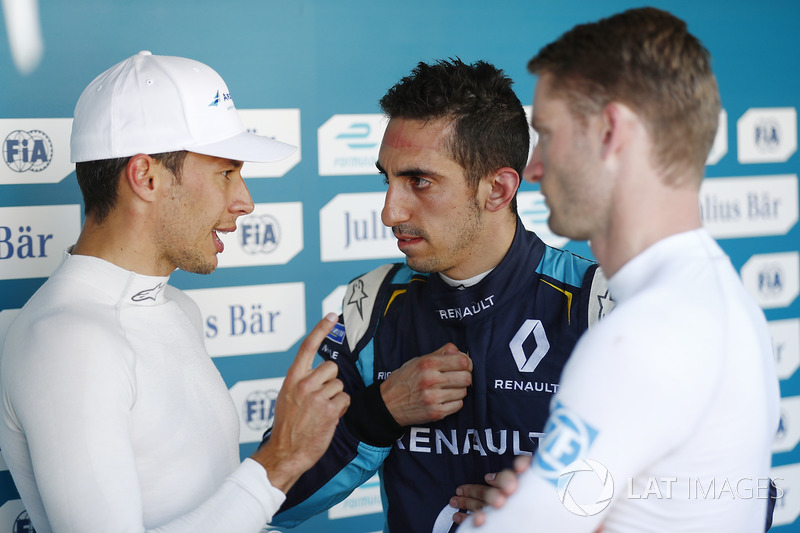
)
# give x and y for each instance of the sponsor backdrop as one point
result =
(310, 72)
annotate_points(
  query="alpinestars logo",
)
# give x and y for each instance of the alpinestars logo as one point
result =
(357, 296)
(147, 294)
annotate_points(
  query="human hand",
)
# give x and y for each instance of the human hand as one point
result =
(473, 498)
(428, 388)
(308, 407)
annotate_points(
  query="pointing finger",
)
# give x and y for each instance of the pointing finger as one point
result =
(308, 348)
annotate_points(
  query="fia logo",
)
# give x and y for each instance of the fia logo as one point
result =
(770, 280)
(259, 409)
(767, 135)
(25, 151)
(23, 524)
(260, 234)
(781, 427)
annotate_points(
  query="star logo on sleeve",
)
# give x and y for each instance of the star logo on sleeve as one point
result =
(357, 296)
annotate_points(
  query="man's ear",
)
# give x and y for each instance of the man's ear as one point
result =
(141, 176)
(504, 182)
(617, 123)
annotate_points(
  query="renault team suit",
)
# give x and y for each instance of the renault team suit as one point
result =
(519, 325)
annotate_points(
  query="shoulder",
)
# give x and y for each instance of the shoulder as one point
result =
(583, 274)
(187, 305)
(63, 344)
(367, 294)
(565, 266)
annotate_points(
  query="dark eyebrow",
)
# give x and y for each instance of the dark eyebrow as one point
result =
(415, 172)
(233, 163)
(408, 173)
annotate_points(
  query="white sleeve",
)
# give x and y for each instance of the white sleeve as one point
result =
(75, 414)
(246, 502)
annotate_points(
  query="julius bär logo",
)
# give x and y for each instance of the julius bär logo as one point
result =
(25, 151)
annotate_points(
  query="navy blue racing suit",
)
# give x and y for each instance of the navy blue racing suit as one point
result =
(518, 325)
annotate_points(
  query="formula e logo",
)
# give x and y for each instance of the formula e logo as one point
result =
(258, 410)
(357, 136)
(260, 234)
(25, 151)
(767, 135)
(528, 363)
(348, 144)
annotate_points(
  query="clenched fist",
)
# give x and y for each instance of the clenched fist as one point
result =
(428, 388)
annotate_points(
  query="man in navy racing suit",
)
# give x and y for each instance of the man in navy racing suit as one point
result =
(452, 359)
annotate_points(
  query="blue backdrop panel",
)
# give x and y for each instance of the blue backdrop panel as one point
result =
(319, 68)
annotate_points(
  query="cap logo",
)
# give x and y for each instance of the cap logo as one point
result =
(215, 102)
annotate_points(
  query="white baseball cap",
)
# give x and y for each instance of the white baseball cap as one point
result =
(149, 104)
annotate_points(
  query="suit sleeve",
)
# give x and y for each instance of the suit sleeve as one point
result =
(365, 434)
(599, 302)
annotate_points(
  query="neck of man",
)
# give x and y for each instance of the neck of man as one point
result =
(119, 239)
(643, 217)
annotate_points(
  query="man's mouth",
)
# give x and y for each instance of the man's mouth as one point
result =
(220, 246)
(406, 240)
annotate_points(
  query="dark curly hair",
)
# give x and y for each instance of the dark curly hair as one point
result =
(490, 129)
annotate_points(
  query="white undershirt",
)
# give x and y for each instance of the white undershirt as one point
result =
(115, 418)
(464, 283)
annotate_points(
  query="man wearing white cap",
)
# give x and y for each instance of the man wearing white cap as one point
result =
(114, 416)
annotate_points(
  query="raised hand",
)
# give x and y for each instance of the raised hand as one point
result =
(308, 408)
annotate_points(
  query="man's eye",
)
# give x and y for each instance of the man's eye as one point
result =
(420, 183)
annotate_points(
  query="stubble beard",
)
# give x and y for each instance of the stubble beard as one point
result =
(468, 230)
